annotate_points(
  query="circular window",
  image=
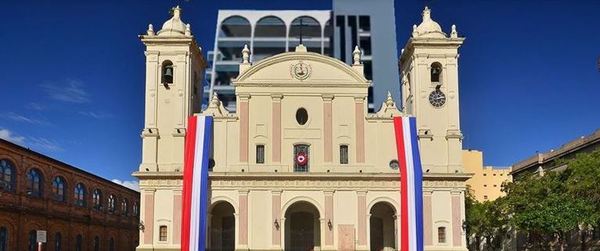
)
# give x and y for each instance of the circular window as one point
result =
(301, 116)
(394, 164)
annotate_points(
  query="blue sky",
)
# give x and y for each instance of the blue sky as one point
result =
(73, 73)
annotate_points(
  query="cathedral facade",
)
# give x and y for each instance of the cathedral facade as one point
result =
(301, 164)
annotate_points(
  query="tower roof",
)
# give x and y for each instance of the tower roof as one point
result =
(174, 26)
(428, 28)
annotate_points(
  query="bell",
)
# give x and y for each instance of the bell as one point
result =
(168, 76)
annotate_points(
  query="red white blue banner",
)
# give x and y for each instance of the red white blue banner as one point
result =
(195, 183)
(411, 184)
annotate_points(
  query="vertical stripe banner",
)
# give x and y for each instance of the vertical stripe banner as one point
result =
(411, 184)
(195, 183)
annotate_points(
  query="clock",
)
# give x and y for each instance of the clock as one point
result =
(437, 98)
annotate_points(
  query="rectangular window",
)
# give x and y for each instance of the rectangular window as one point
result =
(301, 158)
(344, 154)
(364, 23)
(353, 31)
(162, 233)
(442, 234)
(340, 23)
(260, 154)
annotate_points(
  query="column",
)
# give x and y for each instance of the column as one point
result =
(359, 114)
(244, 124)
(148, 231)
(329, 218)
(276, 139)
(362, 221)
(243, 236)
(276, 216)
(327, 128)
(427, 218)
(177, 217)
(456, 219)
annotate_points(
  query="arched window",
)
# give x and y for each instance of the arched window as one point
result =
(136, 210)
(111, 203)
(79, 195)
(58, 188)
(97, 199)
(111, 244)
(167, 72)
(35, 183)
(57, 242)
(96, 243)
(3, 239)
(441, 234)
(436, 73)
(268, 27)
(32, 244)
(124, 209)
(307, 28)
(78, 243)
(7, 177)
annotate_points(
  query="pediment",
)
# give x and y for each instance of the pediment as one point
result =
(301, 68)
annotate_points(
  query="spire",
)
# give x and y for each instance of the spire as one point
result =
(150, 30)
(389, 101)
(176, 12)
(453, 33)
(246, 55)
(356, 55)
(426, 14)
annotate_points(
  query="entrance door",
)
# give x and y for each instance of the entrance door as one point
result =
(302, 231)
(376, 234)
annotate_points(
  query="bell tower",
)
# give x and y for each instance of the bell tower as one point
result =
(429, 67)
(174, 76)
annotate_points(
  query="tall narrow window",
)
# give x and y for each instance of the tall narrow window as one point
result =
(111, 244)
(260, 154)
(162, 233)
(58, 188)
(301, 158)
(57, 242)
(344, 154)
(32, 245)
(97, 199)
(34, 183)
(78, 242)
(96, 243)
(7, 177)
(167, 72)
(3, 239)
(111, 203)
(79, 195)
(124, 208)
(442, 234)
(436, 72)
(136, 210)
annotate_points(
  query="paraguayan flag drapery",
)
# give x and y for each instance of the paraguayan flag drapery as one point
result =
(195, 183)
(411, 186)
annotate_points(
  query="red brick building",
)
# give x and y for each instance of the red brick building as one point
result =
(79, 210)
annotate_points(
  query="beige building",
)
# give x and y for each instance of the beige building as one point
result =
(486, 182)
(262, 196)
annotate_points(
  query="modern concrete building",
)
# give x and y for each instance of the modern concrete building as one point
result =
(486, 182)
(367, 24)
(343, 194)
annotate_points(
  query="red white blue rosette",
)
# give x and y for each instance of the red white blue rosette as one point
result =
(301, 158)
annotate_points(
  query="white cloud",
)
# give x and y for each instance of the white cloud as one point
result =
(22, 118)
(36, 106)
(131, 184)
(71, 91)
(8, 135)
(96, 115)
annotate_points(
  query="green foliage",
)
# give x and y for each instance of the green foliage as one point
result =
(546, 208)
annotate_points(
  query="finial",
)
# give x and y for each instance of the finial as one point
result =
(150, 30)
(426, 14)
(188, 30)
(453, 33)
(214, 100)
(356, 55)
(246, 54)
(176, 12)
(415, 33)
(389, 101)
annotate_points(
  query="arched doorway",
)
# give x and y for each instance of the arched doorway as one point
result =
(302, 227)
(222, 227)
(383, 227)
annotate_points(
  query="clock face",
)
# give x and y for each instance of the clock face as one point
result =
(437, 98)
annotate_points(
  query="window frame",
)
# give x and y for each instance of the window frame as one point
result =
(59, 186)
(442, 235)
(344, 159)
(79, 193)
(163, 236)
(35, 188)
(7, 166)
(260, 158)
